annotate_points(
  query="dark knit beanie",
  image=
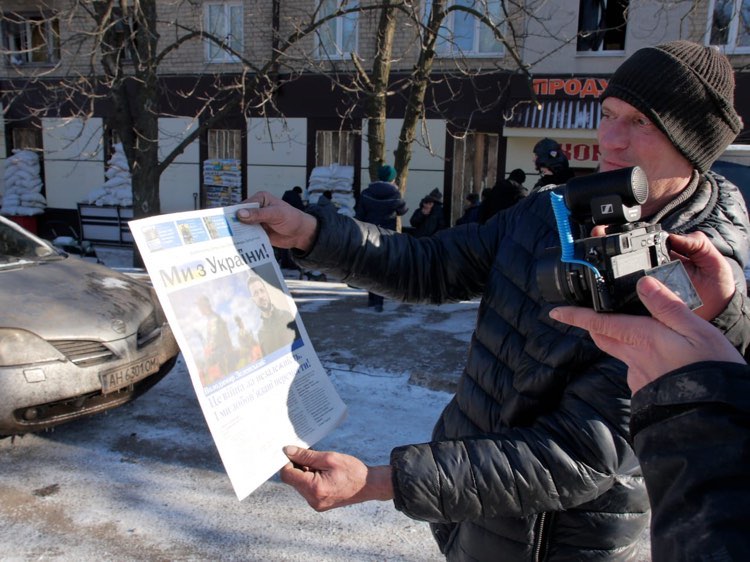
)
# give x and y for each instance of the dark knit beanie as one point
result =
(435, 196)
(386, 173)
(685, 89)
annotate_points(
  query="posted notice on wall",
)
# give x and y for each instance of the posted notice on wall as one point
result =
(257, 377)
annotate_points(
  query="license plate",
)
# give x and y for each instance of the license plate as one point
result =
(127, 375)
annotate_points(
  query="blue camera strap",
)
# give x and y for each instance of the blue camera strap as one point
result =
(566, 236)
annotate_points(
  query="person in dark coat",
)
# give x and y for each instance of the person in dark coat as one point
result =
(428, 218)
(380, 204)
(551, 163)
(505, 193)
(532, 458)
(471, 210)
(690, 417)
(294, 197)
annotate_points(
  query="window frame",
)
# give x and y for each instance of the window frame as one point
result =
(339, 41)
(601, 50)
(731, 47)
(222, 56)
(18, 26)
(447, 47)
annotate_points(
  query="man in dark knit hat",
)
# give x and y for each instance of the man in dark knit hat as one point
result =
(532, 458)
(428, 218)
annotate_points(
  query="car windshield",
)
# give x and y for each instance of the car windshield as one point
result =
(17, 248)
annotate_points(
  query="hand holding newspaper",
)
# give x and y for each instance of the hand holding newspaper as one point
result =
(258, 379)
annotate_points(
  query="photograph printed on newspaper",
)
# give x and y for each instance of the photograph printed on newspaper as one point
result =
(258, 379)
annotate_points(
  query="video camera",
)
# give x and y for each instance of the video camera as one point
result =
(602, 272)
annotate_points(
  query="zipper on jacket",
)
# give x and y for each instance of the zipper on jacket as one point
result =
(540, 536)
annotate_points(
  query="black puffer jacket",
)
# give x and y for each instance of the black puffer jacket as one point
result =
(531, 459)
(691, 430)
(380, 203)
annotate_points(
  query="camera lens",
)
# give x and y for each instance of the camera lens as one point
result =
(560, 282)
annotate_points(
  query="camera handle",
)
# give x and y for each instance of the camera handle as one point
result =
(566, 236)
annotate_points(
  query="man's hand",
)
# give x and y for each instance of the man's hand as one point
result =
(286, 226)
(651, 347)
(709, 271)
(329, 480)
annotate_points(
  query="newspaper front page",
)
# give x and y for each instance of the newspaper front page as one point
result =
(258, 379)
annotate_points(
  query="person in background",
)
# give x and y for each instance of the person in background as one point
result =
(294, 197)
(690, 418)
(532, 458)
(505, 193)
(381, 204)
(326, 198)
(428, 218)
(471, 209)
(551, 163)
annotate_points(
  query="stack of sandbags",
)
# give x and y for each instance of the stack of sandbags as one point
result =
(339, 180)
(118, 189)
(23, 185)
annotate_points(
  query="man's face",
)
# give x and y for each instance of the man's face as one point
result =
(260, 295)
(628, 138)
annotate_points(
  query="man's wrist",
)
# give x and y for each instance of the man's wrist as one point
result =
(379, 482)
(309, 233)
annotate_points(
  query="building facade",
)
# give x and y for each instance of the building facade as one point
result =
(488, 100)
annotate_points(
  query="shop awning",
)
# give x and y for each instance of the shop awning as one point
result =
(555, 114)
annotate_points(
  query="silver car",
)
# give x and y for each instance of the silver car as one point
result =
(76, 338)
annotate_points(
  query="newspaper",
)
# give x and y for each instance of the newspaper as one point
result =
(258, 379)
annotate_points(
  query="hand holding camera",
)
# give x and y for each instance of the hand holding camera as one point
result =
(602, 272)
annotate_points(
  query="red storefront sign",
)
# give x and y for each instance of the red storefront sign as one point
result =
(572, 87)
(580, 152)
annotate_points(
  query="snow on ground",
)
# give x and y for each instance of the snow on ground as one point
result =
(144, 481)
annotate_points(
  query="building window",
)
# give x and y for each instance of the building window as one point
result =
(32, 38)
(224, 21)
(337, 37)
(461, 33)
(602, 25)
(729, 25)
(124, 29)
(335, 147)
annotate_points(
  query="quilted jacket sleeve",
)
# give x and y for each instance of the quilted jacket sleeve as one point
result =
(574, 454)
(691, 430)
(400, 266)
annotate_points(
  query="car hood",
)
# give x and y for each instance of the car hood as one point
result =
(72, 298)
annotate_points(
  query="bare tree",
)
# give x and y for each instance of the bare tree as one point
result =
(113, 52)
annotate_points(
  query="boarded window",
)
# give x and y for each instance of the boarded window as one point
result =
(474, 168)
(334, 147)
(27, 138)
(224, 144)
